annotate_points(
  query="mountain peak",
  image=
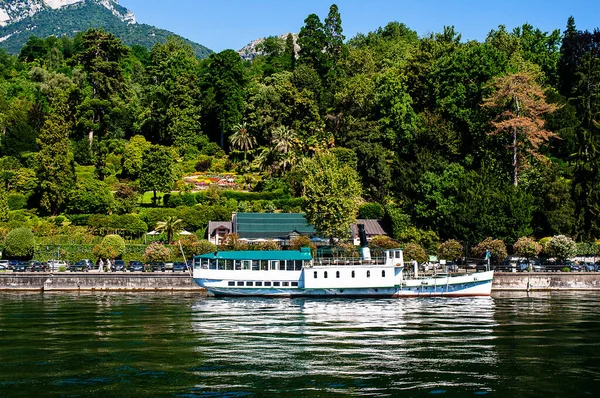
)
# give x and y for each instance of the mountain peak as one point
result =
(12, 11)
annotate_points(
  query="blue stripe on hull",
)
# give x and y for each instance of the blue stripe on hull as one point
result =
(423, 291)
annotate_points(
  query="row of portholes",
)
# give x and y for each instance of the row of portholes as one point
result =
(337, 274)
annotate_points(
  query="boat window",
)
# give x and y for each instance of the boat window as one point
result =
(231, 283)
(397, 254)
(274, 265)
(228, 265)
(287, 284)
(246, 264)
(258, 283)
(368, 274)
(238, 265)
(212, 263)
(267, 284)
(290, 265)
(315, 274)
(282, 265)
(337, 274)
(255, 265)
(204, 263)
(295, 284)
(325, 275)
(276, 283)
(298, 265)
(383, 273)
(264, 265)
(240, 283)
(249, 283)
(353, 274)
(221, 264)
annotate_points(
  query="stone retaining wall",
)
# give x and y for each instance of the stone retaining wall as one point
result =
(522, 281)
(102, 282)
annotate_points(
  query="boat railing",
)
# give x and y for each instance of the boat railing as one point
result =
(340, 261)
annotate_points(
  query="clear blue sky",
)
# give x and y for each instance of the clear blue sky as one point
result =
(224, 24)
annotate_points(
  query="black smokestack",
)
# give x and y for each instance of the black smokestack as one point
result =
(363, 235)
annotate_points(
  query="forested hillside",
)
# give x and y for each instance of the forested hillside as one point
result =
(450, 139)
(68, 21)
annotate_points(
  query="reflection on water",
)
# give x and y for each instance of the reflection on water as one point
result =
(184, 345)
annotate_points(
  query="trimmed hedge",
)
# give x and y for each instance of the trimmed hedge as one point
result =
(17, 201)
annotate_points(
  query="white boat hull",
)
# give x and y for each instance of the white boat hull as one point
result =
(471, 285)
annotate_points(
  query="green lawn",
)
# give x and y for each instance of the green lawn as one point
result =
(147, 197)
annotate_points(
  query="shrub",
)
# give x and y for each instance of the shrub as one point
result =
(428, 239)
(156, 252)
(383, 242)
(302, 241)
(561, 247)
(450, 250)
(203, 164)
(90, 196)
(112, 246)
(527, 247)
(497, 249)
(126, 199)
(414, 251)
(19, 243)
(268, 246)
(232, 242)
(397, 220)
(172, 201)
(16, 201)
(371, 211)
(193, 246)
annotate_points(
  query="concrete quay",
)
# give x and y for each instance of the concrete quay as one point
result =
(168, 282)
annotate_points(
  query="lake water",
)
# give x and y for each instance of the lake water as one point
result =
(183, 345)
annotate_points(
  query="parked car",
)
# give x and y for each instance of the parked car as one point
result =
(118, 266)
(3, 265)
(156, 267)
(21, 266)
(12, 263)
(591, 267)
(54, 265)
(180, 267)
(79, 266)
(38, 266)
(136, 266)
(576, 268)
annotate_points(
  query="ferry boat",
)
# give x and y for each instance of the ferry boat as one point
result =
(295, 273)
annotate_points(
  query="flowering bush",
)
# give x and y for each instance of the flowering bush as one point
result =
(450, 250)
(112, 246)
(156, 252)
(383, 242)
(414, 251)
(496, 247)
(527, 247)
(561, 247)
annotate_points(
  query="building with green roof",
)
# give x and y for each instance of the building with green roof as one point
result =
(271, 226)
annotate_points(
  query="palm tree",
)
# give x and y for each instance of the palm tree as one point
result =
(241, 138)
(169, 226)
(285, 141)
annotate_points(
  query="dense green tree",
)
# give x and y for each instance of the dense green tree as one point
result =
(100, 55)
(331, 192)
(90, 197)
(157, 174)
(172, 85)
(225, 83)
(55, 169)
(133, 156)
(312, 40)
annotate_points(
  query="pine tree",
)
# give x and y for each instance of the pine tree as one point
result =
(312, 41)
(290, 51)
(55, 166)
(334, 39)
